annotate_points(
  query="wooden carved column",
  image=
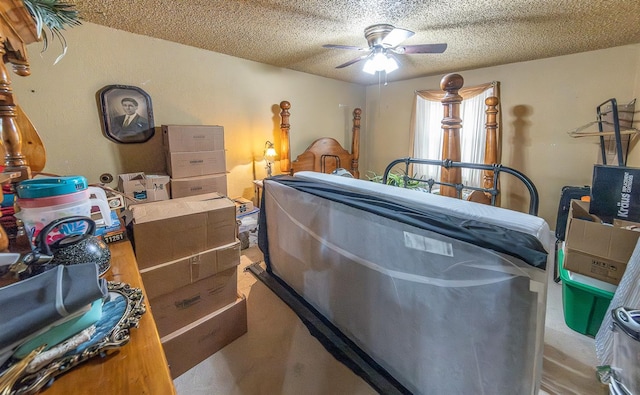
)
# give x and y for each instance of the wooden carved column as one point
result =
(17, 28)
(491, 145)
(490, 152)
(451, 124)
(355, 142)
(14, 160)
(285, 156)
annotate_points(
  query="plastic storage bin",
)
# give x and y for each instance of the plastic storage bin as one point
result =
(584, 304)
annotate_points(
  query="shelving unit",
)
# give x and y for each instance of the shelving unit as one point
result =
(608, 114)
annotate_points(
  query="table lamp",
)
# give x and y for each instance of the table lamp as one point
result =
(269, 156)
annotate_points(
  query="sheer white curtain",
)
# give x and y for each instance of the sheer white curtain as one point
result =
(427, 125)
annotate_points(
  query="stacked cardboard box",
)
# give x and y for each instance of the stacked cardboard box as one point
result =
(195, 158)
(188, 255)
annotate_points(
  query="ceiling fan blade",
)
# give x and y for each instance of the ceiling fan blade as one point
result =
(423, 48)
(352, 61)
(396, 36)
(349, 47)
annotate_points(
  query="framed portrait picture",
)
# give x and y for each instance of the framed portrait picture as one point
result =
(127, 115)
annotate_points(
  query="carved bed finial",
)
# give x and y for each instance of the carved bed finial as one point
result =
(285, 155)
(452, 83)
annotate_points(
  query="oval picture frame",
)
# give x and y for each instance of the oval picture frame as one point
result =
(116, 102)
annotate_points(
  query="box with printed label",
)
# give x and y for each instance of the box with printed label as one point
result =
(191, 138)
(168, 277)
(187, 304)
(144, 187)
(172, 229)
(131, 184)
(615, 193)
(189, 186)
(192, 344)
(596, 249)
(191, 164)
(243, 205)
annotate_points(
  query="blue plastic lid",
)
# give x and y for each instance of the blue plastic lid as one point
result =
(50, 186)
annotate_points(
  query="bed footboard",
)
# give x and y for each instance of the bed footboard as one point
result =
(429, 287)
(491, 192)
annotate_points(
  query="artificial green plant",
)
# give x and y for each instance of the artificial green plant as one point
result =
(52, 16)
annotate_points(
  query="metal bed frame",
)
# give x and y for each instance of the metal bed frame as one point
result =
(492, 192)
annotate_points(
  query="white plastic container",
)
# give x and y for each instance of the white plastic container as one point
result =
(36, 213)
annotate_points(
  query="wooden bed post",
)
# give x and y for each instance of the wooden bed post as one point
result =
(355, 142)
(17, 29)
(490, 152)
(491, 145)
(451, 124)
(285, 155)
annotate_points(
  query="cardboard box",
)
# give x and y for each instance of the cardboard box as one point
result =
(189, 186)
(193, 343)
(185, 305)
(168, 230)
(144, 187)
(170, 276)
(243, 205)
(192, 138)
(131, 184)
(615, 193)
(191, 164)
(595, 249)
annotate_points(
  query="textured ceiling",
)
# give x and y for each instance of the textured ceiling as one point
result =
(290, 33)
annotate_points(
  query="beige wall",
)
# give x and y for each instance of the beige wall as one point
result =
(186, 86)
(541, 101)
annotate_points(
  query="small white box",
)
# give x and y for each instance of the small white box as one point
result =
(144, 187)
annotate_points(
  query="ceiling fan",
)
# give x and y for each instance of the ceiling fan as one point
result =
(384, 43)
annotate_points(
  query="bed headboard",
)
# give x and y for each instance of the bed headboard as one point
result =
(325, 154)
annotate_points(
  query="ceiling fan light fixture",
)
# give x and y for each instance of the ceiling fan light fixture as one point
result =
(380, 62)
(391, 65)
(369, 67)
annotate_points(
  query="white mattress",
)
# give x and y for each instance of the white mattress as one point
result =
(439, 314)
(510, 219)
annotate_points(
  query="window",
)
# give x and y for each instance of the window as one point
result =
(427, 129)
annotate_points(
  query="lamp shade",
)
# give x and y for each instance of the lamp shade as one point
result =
(380, 61)
(269, 152)
(269, 156)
